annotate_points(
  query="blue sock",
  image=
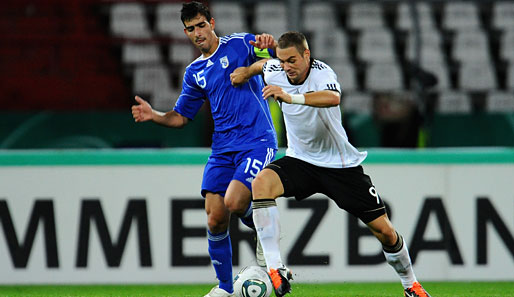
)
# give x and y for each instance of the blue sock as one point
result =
(247, 217)
(220, 250)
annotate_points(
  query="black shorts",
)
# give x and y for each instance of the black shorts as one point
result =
(349, 188)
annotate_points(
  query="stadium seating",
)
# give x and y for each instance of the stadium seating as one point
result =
(140, 53)
(477, 76)
(440, 70)
(503, 15)
(458, 15)
(346, 73)
(404, 16)
(167, 20)
(182, 53)
(376, 45)
(357, 103)
(129, 20)
(149, 79)
(370, 45)
(231, 16)
(316, 16)
(330, 45)
(365, 15)
(383, 77)
(270, 17)
(430, 46)
(501, 102)
(510, 77)
(467, 45)
(507, 45)
(454, 102)
(470, 45)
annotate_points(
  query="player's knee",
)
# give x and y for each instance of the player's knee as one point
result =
(261, 185)
(235, 205)
(389, 236)
(217, 222)
(257, 184)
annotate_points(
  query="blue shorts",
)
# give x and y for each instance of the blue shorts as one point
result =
(243, 166)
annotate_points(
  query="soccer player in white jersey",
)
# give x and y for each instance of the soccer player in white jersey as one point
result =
(243, 141)
(319, 159)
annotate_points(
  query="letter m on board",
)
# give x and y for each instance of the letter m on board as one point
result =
(42, 212)
(136, 211)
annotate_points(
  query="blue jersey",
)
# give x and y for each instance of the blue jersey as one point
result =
(242, 119)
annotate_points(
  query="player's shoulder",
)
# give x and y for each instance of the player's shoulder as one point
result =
(196, 63)
(321, 69)
(271, 66)
(320, 65)
(234, 38)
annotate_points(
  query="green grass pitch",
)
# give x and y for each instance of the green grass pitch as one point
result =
(436, 289)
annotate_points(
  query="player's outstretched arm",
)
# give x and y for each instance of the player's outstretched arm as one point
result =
(324, 98)
(241, 75)
(143, 112)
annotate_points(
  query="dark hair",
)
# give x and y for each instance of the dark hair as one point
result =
(191, 9)
(293, 38)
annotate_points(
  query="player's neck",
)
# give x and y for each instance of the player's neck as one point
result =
(213, 48)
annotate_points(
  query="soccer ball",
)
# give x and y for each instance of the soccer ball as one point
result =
(252, 281)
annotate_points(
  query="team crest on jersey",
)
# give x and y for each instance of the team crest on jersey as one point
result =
(224, 62)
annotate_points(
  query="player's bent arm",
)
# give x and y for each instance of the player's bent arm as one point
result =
(324, 98)
(171, 119)
(241, 75)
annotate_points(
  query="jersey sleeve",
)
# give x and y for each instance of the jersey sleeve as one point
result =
(327, 80)
(191, 98)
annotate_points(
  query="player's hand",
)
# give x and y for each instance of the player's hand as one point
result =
(263, 41)
(143, 111)
(239, 76)
(277, 93)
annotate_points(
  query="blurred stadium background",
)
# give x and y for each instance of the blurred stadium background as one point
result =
(69, 71)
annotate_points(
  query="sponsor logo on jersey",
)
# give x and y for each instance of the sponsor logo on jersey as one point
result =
(209, 63)
(224, 62)
(250, 179)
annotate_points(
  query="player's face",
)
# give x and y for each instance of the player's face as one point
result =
(201, 33)
(295, 64)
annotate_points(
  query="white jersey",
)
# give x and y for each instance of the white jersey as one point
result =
(314, 134)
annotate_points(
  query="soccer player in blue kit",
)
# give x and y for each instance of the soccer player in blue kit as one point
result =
(244, 139)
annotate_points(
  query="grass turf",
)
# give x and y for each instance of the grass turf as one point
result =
(436, 289)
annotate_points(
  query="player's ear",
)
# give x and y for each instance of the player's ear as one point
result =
(213, 23)
(307, 54)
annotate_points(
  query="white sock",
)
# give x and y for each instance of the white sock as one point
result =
(267, 224)
(401, 263)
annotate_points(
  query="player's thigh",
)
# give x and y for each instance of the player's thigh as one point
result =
(353, 191)
(218, 174)
(297, 178)
(250, 163)
(237, 197)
